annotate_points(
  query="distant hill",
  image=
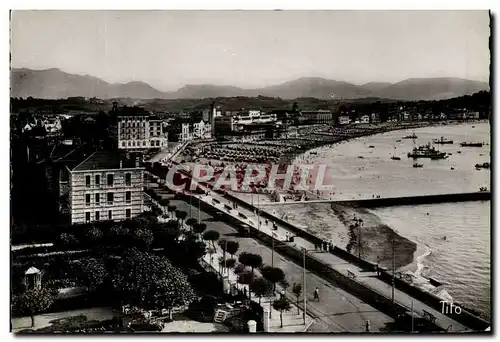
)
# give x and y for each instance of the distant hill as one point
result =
(375, 87)
(432, 88)
(54, 84)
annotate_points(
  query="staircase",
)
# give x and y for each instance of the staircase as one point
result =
(220, 316)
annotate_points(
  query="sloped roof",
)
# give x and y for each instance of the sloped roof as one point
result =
(32, 270)
(106, 160)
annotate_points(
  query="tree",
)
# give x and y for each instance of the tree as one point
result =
(281, 305)
(191, 222)
(93, 273)
(273, 274)
(246, 278)
(261, 287)
(250, 259)
(34, 301)
(230, 263)
(284, 284)
(164, 202)
(94, 235)
(171, 209)
(297, 291)
(181, 215)
(212, 236)
(67, 239)
(150, 282)
(239, 268)
(199, 228)
(142, 238)
(232, 247)
(222, 244)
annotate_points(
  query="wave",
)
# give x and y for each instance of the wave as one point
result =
(420, 281)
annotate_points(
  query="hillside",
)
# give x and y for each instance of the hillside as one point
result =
(57, 84)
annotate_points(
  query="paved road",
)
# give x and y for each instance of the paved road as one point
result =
(337, 311)
(367, 278)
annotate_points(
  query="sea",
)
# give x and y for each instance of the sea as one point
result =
(453, 239)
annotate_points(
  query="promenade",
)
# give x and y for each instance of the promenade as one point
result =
(338, 264)
(338, 310)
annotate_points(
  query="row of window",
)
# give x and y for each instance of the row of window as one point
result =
(109, 179)
(128, 214)
(133, 143)
(109, 198)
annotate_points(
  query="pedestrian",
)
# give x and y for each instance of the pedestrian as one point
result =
(316, 294)
(282, 294)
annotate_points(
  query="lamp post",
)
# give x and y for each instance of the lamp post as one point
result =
(190, 204)
(224, 254)
(412, 317)
(393, 268)
(304, 283)
(199, 202)
(272, 250)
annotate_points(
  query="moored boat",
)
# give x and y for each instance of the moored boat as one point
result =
(442, 140)
(417, 165)
(485, 165)
(426, 151)
(395, 158)
(471, 144)
(412, 136)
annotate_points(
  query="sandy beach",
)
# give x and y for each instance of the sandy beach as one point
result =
(376, 238)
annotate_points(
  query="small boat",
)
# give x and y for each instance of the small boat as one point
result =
(395, 158)
(412, 136)
(471, 144)
(450, 153)
(442, 140)
(485, 165)
(459, 152)
(371, 146)
(438, 156)
(452, 168)
(473, 126)
(361, 157)
(399, 140)
(483, 188)
(417, 165)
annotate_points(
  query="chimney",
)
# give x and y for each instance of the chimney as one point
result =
(121, 164)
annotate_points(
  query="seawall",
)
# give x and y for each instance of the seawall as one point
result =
(351, 285)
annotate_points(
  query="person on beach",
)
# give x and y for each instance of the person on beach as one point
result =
(316, 294)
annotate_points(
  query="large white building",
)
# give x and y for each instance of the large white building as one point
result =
(137, 129)
(106, 186)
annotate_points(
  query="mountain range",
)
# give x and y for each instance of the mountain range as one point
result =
(57, 84)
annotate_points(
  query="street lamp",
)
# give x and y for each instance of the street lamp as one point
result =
(272, 253)
(304, 251)
(199, 203)
(393, 268)
(190, 204)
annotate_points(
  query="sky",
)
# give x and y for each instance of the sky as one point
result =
(250, 49)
